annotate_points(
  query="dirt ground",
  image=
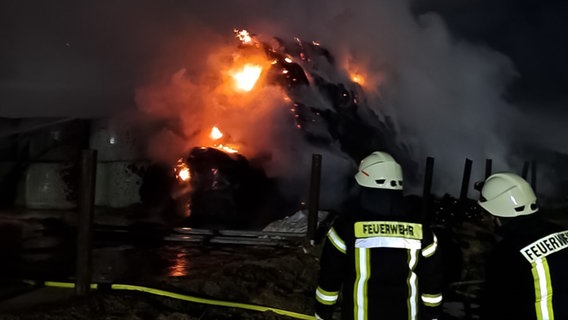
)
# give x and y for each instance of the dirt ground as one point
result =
(281, 277)
(277, 277)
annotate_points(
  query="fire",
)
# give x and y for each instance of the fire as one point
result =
(358, 78)
(182, 171)
(215, 135)
(246, 78)
(226, 148)
(244, 36)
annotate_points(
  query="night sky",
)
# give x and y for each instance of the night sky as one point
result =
(531, 33)
(456, 66)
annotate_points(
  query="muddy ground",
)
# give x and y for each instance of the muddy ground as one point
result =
(278, 276)
(281, 277)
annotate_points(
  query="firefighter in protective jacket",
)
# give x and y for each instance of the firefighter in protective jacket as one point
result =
(526, 275)
(379, 261)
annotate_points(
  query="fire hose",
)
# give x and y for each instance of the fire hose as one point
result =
(178, 296)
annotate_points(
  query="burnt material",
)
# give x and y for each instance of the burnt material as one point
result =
(341, 114)
(227, 191)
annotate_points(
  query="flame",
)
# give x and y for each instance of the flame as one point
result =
(246, 78)
(226, 148)
(215, 135)
(358, 78)
(244, 36)
(182, 171)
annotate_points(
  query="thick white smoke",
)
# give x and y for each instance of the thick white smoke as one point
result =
(445, 95)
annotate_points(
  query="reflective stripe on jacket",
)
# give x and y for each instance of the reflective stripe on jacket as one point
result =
(526, 275)
(379, 269)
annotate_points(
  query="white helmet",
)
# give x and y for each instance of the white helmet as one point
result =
(379, 170)
(507, 195)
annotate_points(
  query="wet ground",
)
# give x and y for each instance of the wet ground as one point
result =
(279, 277)
(269, 270)
(277, 272)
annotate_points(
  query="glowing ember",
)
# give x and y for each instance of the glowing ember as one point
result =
(247, 77)
(182, 171)
(244, 36)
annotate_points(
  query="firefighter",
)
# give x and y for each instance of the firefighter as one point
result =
(378, 260)
(526, 274)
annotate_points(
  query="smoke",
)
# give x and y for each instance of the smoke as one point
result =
(445, 95)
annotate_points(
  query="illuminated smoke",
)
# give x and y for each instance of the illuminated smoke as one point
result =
(444, 95)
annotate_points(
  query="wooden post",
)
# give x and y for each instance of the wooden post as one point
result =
(488, 169)
(85, 221)
(427, 189)
(533, 175)
(465, 179)
(525, 172)
(313, 204)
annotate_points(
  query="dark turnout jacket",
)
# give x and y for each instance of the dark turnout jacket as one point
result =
(379, 267)
(527, 274)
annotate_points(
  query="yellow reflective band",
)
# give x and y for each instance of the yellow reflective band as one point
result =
(542, 290)
(363, 268)
(366, 229)
(336, 240)
(544, 246)
(326, 297)
(431, 248)
(412, 282)
(432, 300)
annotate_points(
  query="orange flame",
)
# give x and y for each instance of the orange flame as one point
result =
(244, 36)
(182, 171)
(226, 148)
(246, 78)
(215, 135)
(358, 78)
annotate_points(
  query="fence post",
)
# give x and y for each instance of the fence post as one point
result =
(525, 172)
(533, 175)
(488, 167)
(313, 202)
(465, 179)
(85, 221)
(427, 189)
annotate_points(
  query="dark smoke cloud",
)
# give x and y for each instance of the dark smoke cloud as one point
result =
(446, 93)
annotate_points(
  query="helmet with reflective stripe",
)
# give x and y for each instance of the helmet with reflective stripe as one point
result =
(507, 195)
(379, 170)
